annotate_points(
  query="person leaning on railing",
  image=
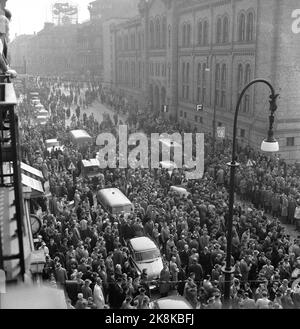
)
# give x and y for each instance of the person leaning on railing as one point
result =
(4, 31)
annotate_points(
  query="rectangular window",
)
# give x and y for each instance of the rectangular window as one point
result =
(196, 118)
(247, 104)
(223, 99)
(198, 94)
(181, 113)
(242, 133)
(185, 115)
(187, 96)
(290, 141)
(201, 120)
(217, 97)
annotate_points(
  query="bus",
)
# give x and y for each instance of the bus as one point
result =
(80, 137)
(114, 201)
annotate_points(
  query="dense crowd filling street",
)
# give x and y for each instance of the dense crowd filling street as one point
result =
(86, 248)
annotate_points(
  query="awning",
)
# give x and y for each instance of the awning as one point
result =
(32, 170)
(32, 183)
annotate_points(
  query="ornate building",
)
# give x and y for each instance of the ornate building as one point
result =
(184, 53)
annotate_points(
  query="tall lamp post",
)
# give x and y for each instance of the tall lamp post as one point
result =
(268, 145)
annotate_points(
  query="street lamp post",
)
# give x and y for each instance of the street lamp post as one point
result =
(268, 145)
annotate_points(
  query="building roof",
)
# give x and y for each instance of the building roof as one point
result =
(142, 243)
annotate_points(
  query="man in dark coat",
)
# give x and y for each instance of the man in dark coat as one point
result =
(196, 268)
(116, 295)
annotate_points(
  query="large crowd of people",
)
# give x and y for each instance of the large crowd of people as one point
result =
(85, 246)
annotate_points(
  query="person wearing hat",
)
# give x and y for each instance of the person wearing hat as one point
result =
(98, 295)
(90, 304)
(81, 302)
(117, 294)
(141, 297)
(297, 215)
(190, 290)
(86, 289)
(126, 305)
(164, 281)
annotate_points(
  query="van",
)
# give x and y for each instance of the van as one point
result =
(114, 201)
(90, 168)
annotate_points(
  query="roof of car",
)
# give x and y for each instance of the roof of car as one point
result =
(173, 302)
(142, 243)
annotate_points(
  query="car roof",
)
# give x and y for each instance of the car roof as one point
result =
(173, 302)
(142, 243)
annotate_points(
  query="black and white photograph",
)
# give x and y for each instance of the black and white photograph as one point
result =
(150, 158)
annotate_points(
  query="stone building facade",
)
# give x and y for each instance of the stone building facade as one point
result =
(184, 53)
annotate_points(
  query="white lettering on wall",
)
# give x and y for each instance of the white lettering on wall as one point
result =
(296, 22)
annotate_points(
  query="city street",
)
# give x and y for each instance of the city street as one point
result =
(98, 109)
(200, 216)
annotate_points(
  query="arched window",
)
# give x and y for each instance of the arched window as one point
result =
(217, 82)
(225, 30)
(133, 41)
(200, 33)
(219, 31)
(184, 35)
(188, 37)
(157, 33)
(183, 79)
(205, 33)
(126, 73)
(223, 85)
(250, 27)
(199, 73)
(140, 40)
(151, 35)
(140, 75)
(247, 74)
(164, 32)
(240, 79)
(240, 75)
(204, 83)
(242, 23)
(133, 74)
(246, 107)
(187, 80)
(224, 74)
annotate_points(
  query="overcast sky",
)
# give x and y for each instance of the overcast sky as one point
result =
(28, 16)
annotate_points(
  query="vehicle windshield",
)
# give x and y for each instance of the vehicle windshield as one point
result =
(146, 255)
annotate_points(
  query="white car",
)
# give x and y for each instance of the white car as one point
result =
(171, 302)
(144, 254)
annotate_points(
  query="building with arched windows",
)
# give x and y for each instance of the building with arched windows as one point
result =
(205, 52)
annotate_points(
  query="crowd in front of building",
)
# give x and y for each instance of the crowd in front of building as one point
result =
(85, 246)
